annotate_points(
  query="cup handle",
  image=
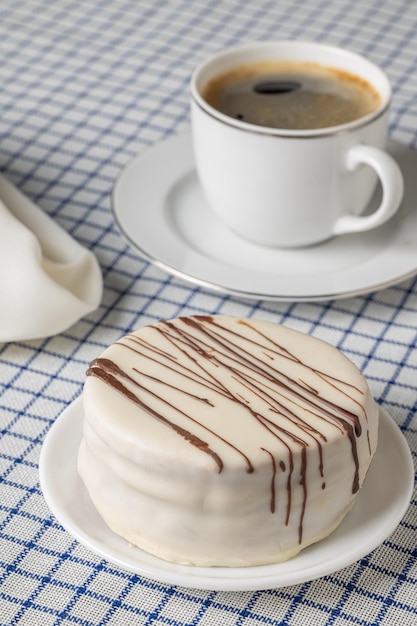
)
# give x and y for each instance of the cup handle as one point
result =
(392, 182)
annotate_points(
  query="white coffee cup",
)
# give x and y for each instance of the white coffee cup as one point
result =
(291, 188)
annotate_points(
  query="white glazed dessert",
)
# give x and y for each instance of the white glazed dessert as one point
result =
(218, 441)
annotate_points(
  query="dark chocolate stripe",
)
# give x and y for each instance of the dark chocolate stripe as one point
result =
(109, 376)
(274, 472)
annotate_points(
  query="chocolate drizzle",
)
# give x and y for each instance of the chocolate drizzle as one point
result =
(200, 350)
(108, 372)
(274, 471)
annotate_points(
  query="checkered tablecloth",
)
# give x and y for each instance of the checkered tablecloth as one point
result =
(86, 86)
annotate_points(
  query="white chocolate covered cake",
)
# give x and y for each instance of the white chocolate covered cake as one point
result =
(220, 441)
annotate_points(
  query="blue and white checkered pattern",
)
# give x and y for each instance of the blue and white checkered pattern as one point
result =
(84, 87)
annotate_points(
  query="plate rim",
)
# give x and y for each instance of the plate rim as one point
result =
(230, 579)
(183, 140)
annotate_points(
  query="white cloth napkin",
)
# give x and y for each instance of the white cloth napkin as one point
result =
(48, 280)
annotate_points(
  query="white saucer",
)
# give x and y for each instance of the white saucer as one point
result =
(159, 207)
(379, 508)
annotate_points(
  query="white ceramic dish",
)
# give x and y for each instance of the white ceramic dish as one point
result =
(159, 208)
(379, 508)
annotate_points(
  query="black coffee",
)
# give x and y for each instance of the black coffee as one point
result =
(291, 95)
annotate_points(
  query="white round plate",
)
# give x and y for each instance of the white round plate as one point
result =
(379, 508)
(159, 207)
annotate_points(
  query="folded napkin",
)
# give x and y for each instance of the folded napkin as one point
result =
(48, 280)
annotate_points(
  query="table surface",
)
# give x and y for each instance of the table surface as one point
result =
(85, 87)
